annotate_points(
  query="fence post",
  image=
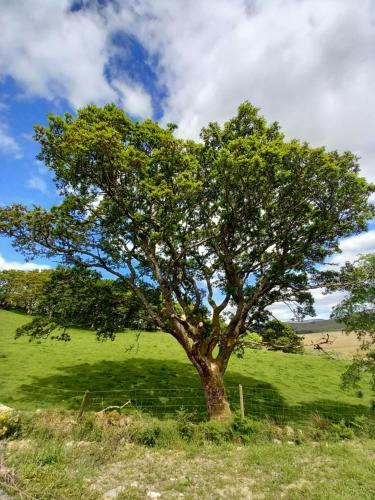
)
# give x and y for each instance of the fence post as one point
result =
(83, 403)
(242, 408)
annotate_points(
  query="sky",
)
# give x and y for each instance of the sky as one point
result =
(309, 64)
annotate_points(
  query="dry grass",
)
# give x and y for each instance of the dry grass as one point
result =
(343, 344)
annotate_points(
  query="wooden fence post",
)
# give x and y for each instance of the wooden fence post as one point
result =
(242, 407)
(83, 403)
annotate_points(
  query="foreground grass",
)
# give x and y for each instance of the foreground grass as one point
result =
(157, 377)
(53, 456)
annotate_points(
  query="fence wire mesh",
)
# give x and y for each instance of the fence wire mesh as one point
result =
(259, 402)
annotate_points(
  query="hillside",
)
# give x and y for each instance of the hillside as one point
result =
(157, 378)
(316, 326)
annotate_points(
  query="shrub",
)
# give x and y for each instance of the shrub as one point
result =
(9, 424)
(245, 428)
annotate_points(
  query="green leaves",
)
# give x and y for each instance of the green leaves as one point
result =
(239, 220)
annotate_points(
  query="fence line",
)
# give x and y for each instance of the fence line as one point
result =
(254, 401)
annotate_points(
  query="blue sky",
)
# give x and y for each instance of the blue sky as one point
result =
(308, 64)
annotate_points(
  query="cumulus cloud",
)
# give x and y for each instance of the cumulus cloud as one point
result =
(351, 249)
(23, 266)
(323, 304)
(354, 246)
(38, 183)
(134, 99)
(55, 52)
(8, 144)
(309, 64)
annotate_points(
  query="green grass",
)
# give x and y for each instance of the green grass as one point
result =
(157, 377)
(55, 457)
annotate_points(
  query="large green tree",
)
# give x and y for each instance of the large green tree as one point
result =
(233, 223)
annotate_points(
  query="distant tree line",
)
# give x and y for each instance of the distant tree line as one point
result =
(66, 297)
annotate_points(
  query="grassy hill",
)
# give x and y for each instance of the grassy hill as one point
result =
(316, 326)
(157, 377)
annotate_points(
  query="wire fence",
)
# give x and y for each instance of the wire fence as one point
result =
(258, 402)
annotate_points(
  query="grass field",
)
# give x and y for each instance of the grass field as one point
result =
(156, 377)
(56, 457)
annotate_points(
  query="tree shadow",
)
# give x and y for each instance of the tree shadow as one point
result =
(162, 388)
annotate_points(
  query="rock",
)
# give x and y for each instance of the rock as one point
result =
(276, 441)
(5, 409)
(134, 484)
(289, 430)
(315, 444)
(153, 494)
(114, 493)
(291, 443)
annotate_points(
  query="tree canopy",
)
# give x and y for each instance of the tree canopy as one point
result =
(228, 225)
(65, 297)
(22, 289)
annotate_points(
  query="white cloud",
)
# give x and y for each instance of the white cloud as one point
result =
(323, 305)
(23, 266)
(351, 248)
(55, 53)
(38, 183)
(354, 246)
(134, 99)
(8, 144)
(309, 64)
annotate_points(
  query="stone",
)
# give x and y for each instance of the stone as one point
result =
(291, 443)
(276, 441)
(113, 493)
(153, 494)
(289, 430)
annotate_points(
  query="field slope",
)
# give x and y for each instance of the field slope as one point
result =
(157, 377)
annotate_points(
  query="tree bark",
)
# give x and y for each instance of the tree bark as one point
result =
(213, 382)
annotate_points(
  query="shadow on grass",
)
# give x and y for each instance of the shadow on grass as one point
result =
(163, 388)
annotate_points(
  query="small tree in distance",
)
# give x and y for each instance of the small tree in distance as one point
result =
(228, 226)
(279, 336)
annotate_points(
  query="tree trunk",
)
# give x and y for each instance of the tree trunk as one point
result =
(216, 400)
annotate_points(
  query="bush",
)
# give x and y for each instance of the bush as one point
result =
(342, 431)
(217, 431)
(9, 424)
(245, 428)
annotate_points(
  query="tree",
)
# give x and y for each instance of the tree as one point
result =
(81, 297)
(233, 223)
(279, 336)
(22, 289)
(357, 313)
